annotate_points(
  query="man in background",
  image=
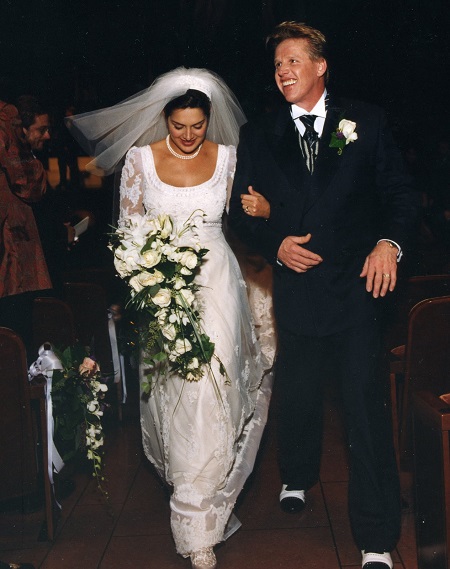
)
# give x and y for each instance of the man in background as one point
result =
(23, 269)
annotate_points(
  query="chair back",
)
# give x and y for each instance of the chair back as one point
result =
(427, 361)
(90, 309)
(427, 356)
(412, 291)
(53, 322)
(18, 471)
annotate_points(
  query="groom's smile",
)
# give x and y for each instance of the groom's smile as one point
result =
(299, 77)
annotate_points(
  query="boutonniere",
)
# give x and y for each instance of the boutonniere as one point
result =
(344, 134)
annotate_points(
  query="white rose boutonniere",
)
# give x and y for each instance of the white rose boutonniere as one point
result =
(344, 134)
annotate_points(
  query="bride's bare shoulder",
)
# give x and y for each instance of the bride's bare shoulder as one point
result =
(210, 148)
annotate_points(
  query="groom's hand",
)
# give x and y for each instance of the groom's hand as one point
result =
(293, 255)
(380, 269)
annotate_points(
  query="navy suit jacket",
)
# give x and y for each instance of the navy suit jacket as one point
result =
(349, 202)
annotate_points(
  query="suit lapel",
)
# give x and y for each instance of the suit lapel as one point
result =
(282, 138)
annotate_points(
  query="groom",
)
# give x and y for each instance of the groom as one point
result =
(341, 211)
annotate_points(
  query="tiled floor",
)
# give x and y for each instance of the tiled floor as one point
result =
(136, 533)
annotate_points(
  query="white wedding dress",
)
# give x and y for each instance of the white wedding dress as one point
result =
(203, 436)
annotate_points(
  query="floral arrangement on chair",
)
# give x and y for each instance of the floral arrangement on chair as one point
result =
(77, 391)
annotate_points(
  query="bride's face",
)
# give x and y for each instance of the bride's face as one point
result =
(187, 129)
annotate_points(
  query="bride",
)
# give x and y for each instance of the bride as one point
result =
(180, 138)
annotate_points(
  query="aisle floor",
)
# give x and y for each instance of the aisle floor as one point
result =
(135, 534)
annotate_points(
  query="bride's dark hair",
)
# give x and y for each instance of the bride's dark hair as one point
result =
(192, 99)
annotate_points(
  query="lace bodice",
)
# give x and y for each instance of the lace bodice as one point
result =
(142, 191)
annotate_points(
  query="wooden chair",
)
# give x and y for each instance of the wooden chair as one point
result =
(90, 308)
(409, 293)
(19, 473)
(426, 362)
(53, 322)
(413, 290)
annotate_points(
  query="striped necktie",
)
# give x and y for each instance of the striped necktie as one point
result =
(310, 134)
(309, 141)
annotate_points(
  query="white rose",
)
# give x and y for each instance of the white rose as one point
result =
(188, 296)
(185, 271)
(144, 278)
(348, 130)
(150, 279)
(189, 259)
(182, 345)
(131, 258)
(150, 258)
(162, 297)
(169, 331)
(135, 283)
(121, 267)
(122, 251)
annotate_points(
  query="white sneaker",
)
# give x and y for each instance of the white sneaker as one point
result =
(292, 501)
(376, 560)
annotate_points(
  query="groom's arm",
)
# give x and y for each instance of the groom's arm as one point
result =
(400, 209)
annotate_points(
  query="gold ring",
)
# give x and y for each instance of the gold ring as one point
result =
(386, 276)
(246, 209)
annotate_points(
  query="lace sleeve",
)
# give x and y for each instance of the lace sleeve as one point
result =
(132, 185)
(230, 173)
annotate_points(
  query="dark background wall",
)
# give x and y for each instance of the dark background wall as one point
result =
(395, 53)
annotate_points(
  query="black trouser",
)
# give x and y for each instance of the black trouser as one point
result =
(303, 365)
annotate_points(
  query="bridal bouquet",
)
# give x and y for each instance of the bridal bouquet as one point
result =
(159, 263)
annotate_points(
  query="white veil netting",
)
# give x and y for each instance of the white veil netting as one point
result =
(107, 134)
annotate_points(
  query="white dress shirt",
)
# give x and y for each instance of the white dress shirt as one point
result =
(318, 110)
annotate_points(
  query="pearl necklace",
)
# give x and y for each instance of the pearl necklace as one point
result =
(182, 156)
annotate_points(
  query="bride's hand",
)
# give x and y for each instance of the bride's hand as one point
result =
(255, 204)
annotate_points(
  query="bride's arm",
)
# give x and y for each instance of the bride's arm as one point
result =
(132, 185)
(255, 204)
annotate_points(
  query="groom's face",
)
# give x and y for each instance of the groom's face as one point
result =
(299, 78)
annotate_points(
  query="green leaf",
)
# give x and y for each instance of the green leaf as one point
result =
(153, 290)
(336, 142)
(148, 245)
(167, 268)
(160, 357)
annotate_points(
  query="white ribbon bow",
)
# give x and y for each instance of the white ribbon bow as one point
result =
(46, 363)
